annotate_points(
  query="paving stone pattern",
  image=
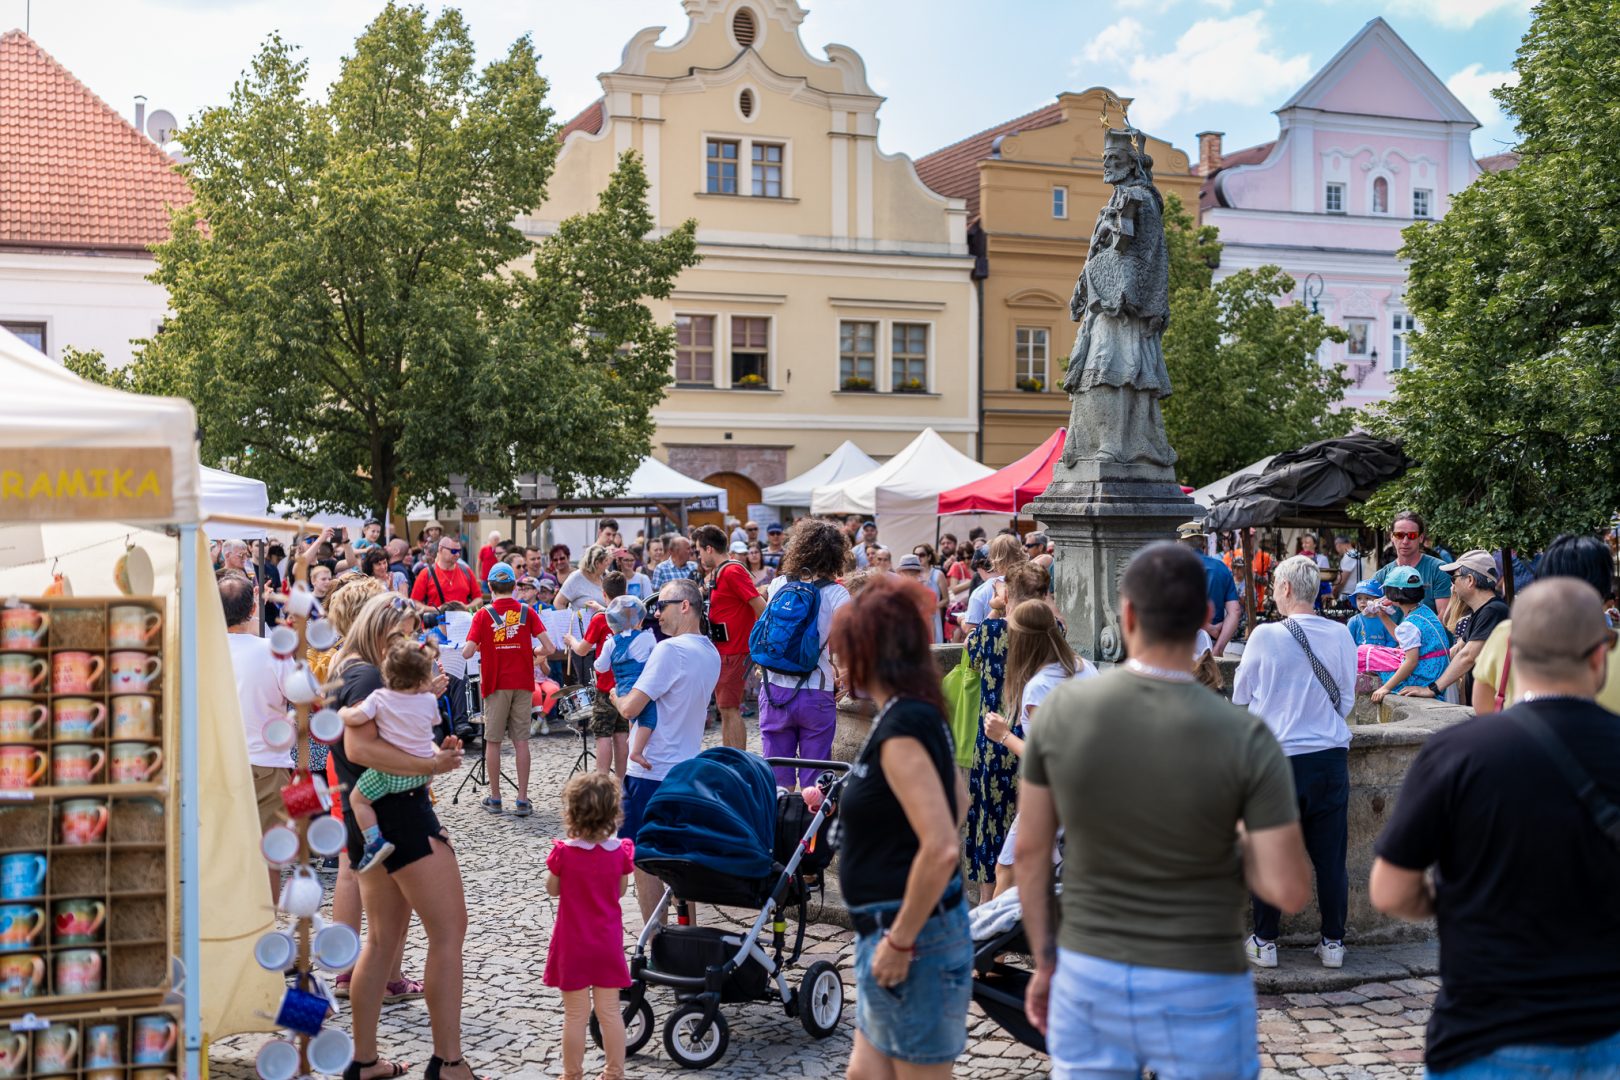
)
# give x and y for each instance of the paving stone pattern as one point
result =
(512, 1024)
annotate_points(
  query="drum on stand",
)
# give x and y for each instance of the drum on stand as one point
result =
(475, 696)
(577, 704)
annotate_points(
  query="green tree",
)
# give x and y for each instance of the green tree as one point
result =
(1510, 401)
(356, 317)
(1243, 367)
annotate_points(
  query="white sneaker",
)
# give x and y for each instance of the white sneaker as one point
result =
(1331, 953)
(1262, 953)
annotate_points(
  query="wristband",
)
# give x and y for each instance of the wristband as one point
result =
(907, 949)
(1434, 689)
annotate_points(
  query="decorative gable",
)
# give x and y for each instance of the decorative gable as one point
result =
(1378, 74)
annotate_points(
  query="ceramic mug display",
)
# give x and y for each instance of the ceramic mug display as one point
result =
(78, 971)
(13, 1054)
(76, 672)
(277, 1060)
(142, 1074)
(133, 672)
(21, 674)
(153, 1040)
(22, 875)
(84, 821)
(305, 796)
(105, 1074)
(22, 975)
(78, 921)
(76, 764)
(22, 721)
(21, 767)
(326, 836)
(279, 845)
(132, 627)
(56, 1049)
(134, 716)
(301, 893)
(275, 950)
(23, 627)
(331, 1051)
(103, 1047)
(135, 763)
(77, 719)
(20, 926)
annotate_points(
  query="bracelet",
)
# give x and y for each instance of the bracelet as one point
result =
(907, 949)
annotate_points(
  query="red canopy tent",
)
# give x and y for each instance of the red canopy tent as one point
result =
(1007, 490)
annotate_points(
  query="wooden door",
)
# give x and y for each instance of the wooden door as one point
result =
(740, 491)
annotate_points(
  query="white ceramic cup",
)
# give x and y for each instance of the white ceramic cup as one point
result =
(321, 634)
(299, 685)
(301, 894)
(283, 640)
(331, 1051)
(275, 950)
(327, 836)
(326, 725)
(300, 601)
(279, 734)
(277, 1060)
(337, 947)
(279, 845)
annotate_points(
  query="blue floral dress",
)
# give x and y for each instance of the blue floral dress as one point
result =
(993, 780)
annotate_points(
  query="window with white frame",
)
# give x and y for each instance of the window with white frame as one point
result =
(908, 356)
(750, 350)
(1060, 202)
(32, 333)
(857, 354)
(1422, 199)
(1400, 349)
(694, 350)
(722, 167)
(767, 174)
(1333, 198)
(1380, 195)
(1030, 352)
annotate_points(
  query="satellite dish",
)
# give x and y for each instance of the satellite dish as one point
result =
(161, 125)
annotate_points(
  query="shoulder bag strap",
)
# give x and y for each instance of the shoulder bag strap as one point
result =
(1603, 812)
(1322, 675)
(434, 575)
(1507, 668)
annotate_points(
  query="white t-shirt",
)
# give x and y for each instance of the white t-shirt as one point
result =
(1351, 564)
(641, 647)
(258, 689)
(1203, 643)
(680, 675)
(1408, 635)
(860, 555)
(404, 720)
(1046, 680)
(978, 608)
(578, 588)
(833, 597)
(639, 585)
(1276, 682)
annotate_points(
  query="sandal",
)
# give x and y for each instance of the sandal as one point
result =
(340, 985)
(402, 990)
(521, 808)
(437, 1063)
(357, 1067)
(492, 805)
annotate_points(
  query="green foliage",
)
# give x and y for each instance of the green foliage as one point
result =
(1510, 402)
(352, 314)
(1243, 369)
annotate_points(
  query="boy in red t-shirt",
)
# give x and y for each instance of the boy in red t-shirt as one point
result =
(734, 603)
(612, 731)
(507, 636)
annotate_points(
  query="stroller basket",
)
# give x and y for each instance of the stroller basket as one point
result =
(690, 951)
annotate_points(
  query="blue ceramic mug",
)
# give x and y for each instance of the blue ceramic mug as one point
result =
(22, 875)
(20, 926)
(302, 1011)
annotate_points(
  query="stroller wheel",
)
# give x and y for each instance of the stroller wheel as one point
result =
(680, 1037)
(821, 999)
(638, 1027)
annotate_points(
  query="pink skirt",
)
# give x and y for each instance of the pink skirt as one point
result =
(1381, 658)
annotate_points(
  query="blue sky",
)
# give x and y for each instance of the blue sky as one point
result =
(948, 67)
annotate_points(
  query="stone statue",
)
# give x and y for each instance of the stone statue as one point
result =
(1116, 372)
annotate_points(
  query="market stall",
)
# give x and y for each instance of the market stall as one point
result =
(1010, 488)
(845, 463)
(225, 493)
(654, 493)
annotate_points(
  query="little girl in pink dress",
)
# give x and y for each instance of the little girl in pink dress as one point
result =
(588, 873)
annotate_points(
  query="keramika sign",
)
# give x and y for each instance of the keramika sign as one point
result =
(87, 484)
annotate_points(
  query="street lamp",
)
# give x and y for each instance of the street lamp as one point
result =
(1312, 292)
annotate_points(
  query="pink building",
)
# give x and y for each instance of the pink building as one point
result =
(1372, 143)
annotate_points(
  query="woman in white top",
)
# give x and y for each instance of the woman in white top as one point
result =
(1038, 660)
(584, 586)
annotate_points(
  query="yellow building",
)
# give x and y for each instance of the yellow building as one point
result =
(834, 300)
(1033, 186)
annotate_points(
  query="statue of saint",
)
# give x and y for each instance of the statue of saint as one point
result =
(1116, 373)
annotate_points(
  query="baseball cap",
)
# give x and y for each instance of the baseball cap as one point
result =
(1403, 577)
(1238, 560)
(739, 548)
(1477, 561)
(910, 562)
(1192, 530)
(774, 527)
(1367, 588)
(546, 581)
(868, 524)
(502, 572)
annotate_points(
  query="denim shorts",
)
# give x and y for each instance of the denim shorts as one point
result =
(922, 1021)
(638, 791)
(1588, 1062)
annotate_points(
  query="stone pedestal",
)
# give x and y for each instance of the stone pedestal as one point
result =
(1098, 515)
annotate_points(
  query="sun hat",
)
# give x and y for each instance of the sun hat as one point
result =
(910, 562)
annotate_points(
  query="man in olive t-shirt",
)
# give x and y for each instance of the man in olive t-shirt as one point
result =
(1171, 801)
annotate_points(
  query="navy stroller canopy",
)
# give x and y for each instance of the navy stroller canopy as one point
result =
(717, 810)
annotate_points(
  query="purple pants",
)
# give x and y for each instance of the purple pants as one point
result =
(796, 723)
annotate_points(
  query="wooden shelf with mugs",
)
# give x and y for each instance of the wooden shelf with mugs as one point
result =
(108, 1044)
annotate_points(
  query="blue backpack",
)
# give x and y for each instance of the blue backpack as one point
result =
(784, 638)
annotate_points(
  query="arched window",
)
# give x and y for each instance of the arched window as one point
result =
(1380, 196)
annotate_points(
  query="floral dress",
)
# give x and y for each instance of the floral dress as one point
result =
(993, 780)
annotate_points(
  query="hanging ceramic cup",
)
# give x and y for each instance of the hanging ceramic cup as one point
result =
(327, 836)
(279, 845)
(301, 893)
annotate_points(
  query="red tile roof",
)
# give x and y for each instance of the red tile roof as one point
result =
(1499, 162)
(74, 173)
(1253, 155)
(954, 170)
(589, 121)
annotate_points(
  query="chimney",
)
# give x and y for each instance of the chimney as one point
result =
(140, 113)
(1209, 152)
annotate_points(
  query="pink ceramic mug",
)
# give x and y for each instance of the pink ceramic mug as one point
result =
(78, 971)
(84, 821)
(76, 764)
(131, 626)
(75, 672)
(21, 674)
(21, 767)
(78, 719)
(21, 721)
(23, 627)
(133, 671)
(135, 763)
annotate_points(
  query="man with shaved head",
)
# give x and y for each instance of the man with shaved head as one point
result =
(1507, 810)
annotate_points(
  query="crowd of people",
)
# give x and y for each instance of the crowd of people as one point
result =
(1167, 812)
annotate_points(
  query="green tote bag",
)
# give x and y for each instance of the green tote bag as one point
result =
(961, 689)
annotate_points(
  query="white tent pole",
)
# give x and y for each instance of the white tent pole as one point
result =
(190, 908)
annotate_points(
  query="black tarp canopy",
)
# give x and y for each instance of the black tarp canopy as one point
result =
(1311, 485)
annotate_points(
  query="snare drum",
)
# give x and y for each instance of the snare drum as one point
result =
(577, 700)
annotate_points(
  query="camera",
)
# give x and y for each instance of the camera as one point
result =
(430, 619)
(717, 631)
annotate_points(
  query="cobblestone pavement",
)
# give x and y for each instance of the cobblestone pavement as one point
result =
(512, 1025)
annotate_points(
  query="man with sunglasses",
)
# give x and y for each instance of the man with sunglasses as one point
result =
(445, 580)
(1473, 585)
(1408, 534)
(1508, 809)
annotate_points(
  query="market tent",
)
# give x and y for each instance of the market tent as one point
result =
(1311, 485)
(227, 493)
(653, 493)
(844, 463)
(1010, 488)
(1217, 489)
(653, 481)
(903, 493)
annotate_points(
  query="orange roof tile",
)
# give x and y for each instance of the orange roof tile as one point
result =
(1208, 197)
(1499, 162)
(73, 172)
(589, 121)
(954, 170)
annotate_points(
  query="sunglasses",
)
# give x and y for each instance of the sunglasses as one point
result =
(1404, 535)
(451, 550)
(1610, 637)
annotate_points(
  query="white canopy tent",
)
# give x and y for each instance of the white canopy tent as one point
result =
(902, 494)
(845, 463)
(321, 518)
(652, 482)
(243, 496)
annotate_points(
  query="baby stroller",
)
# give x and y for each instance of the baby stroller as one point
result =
(999, 987)
(718, 832)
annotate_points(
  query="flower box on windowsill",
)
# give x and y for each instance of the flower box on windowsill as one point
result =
(1031, 386)
(750, 382)
(911, 386)
(857, 386)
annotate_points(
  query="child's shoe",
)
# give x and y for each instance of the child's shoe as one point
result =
(376, 851)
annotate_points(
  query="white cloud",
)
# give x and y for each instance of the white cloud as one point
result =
(1215, 61)
(1222, 6)
(1457, 14)
(1473, 88)
(1113, 42)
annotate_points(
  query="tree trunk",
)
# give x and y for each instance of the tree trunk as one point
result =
(1507, 574)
